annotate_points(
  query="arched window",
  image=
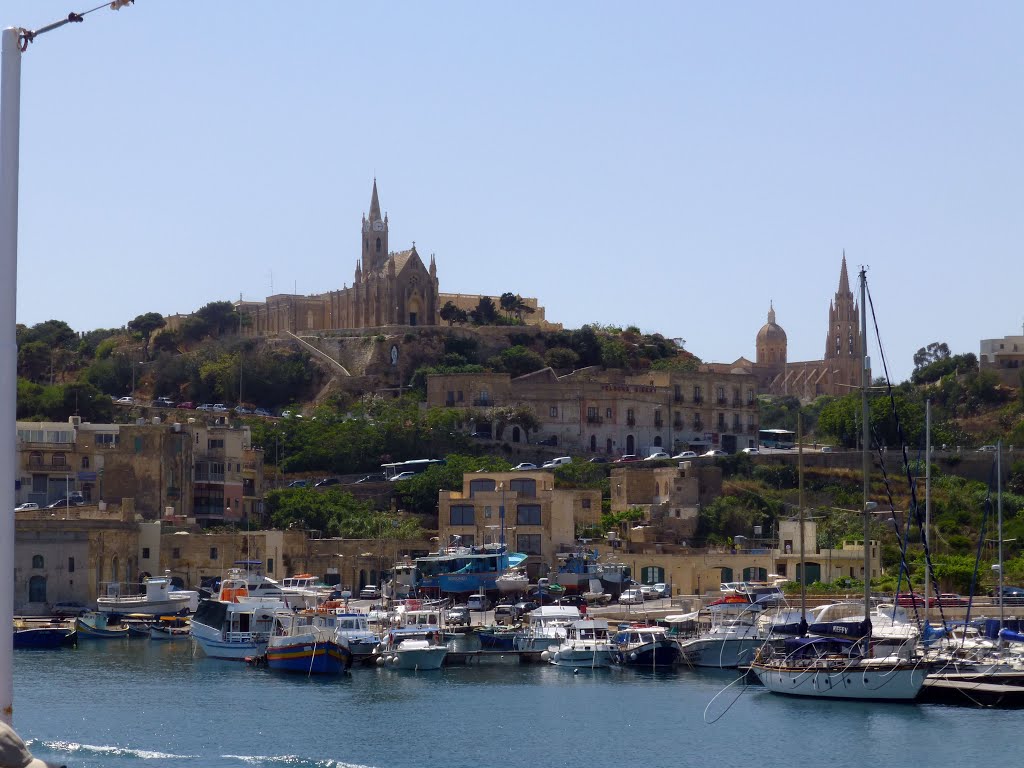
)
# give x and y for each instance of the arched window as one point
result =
(515, 434)
(35, 459)
(37, 589)
(85, 462)
(113, 569)
(378, 245)
(37, 561)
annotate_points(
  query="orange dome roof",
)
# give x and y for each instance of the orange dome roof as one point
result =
(771, 331)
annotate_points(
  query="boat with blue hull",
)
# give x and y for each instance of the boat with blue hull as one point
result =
(43, 635)
(307, 642)
(647, 647)
(465, 570)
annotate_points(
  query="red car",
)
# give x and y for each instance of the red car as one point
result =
(910, 598)
(188, 405)
(627, 458)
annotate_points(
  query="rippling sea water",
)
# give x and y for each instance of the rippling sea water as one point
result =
(137, 703)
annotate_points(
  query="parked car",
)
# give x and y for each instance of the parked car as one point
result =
(126, 400)
(299, 484)
(714, 454)
(66, 502)
(750, 451)
(685, 455)
(457, 616)
(220, 408)
(478, 603)
(506, 613)
(649, 592)
(188, 405)
(68, 608)
(261, 412)
(403, 476)
(626, 458)
(481, 435)
(1013, 595)
(598, 460)
(557, 462)
(525, 606)
(987, 449)
(542, 597)
(578, 600)
(631, 597)
(327, 481)
(910, 598)
(952, 600)
(549, 440)
(523, 466)
(827, 449)
(658, 456)
(205, 407)
(241, 410)
(163, 402)
(376, 477)
(369, 592)
(28, 505)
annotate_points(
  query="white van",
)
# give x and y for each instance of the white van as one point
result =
(478, 603)
(557, 462)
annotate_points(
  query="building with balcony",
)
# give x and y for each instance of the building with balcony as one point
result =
(524, 508)
(607, 412)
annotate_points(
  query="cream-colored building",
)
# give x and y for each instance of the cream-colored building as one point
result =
(525, 508)
(188, 471)
(670, 496)
(1005, 357)
(607, 412)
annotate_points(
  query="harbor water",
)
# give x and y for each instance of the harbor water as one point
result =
(137, 703)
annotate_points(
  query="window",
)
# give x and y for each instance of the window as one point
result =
(528, 514)
(696, 393)
(585, 503)
(145, 553)
(213, 553)
(270, 565)
(85, 462)
(553, 411)
(652, 574)
(524, 487)
(721, 422)
(378, 245)
(37, 561)
(461, 514)
(677, 393)
(213, 444)
(176, 553)
(607, 413)
(468, 539)
(71, 565)
(750, 397)
(484, 485)
(720, 392)
(460, 397)
(591, 413)
(528, 543)
(35, 459)
(59, 460)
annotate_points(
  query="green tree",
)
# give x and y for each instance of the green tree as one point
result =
(927, 355)
(145, 325)
(518, 361)
(561, 358)
(508, 303)
(485, 313)
(452, 314)
(419, 494)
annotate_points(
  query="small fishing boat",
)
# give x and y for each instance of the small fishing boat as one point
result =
(237, 625)
(34, 635)
(307, 642)
(353, 629)
(170, 628)
(158, 597)
(95, 626)
(586, 646)
(547, 627)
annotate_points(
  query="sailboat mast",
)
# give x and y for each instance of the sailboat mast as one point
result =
(927, 502)
(999, 524)
(865, 437)
(800, 500)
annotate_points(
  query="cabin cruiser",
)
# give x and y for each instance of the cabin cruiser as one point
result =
(236, 625)
(159, 598)
(732, 639)
(547, 626)
(647, 646)
(354, 629)
(586, 645)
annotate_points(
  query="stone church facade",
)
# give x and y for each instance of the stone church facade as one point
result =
(388, 288)
(837, 373)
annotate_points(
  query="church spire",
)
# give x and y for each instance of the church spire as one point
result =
(771, 312)
(375, 208)
(844, 280)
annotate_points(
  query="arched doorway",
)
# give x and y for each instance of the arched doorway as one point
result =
(37, 589)
(608, 445)
(726, 574)
(630, 444)
(515, 434)
(755, 574)
(362, 578)
(657, 442)
(593, 443)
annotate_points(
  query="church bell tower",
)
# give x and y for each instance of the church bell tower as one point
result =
(375, 237)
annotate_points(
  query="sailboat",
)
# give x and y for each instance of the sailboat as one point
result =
(844, 667)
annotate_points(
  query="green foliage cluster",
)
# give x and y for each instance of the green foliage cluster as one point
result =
(419, 494)
(56, 402)
(336, 513)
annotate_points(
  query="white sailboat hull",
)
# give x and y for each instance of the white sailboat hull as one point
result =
(870, 680)
(720, 653)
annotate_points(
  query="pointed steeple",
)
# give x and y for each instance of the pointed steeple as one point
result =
(771, 312)
(375, 205)
(844, 280)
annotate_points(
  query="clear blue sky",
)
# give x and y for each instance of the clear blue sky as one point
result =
(670, 165)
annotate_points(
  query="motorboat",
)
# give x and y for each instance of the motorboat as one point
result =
(646, 646)
(732, 639)
(236, 625)
(307, 642)
(512, 582)
(586, 646)
(353, 629)
(159, 597)
(546, 627)
(169, 628)
(413, 648)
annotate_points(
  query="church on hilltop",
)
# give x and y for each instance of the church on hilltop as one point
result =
(388, 289)
(837, 373)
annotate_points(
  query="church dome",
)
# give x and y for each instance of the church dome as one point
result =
(771, 332)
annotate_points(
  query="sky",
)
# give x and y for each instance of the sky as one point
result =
(675, 166)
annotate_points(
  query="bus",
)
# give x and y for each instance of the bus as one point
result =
(414, 465)
(776, 438)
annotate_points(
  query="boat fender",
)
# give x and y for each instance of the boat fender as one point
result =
(380, 661)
